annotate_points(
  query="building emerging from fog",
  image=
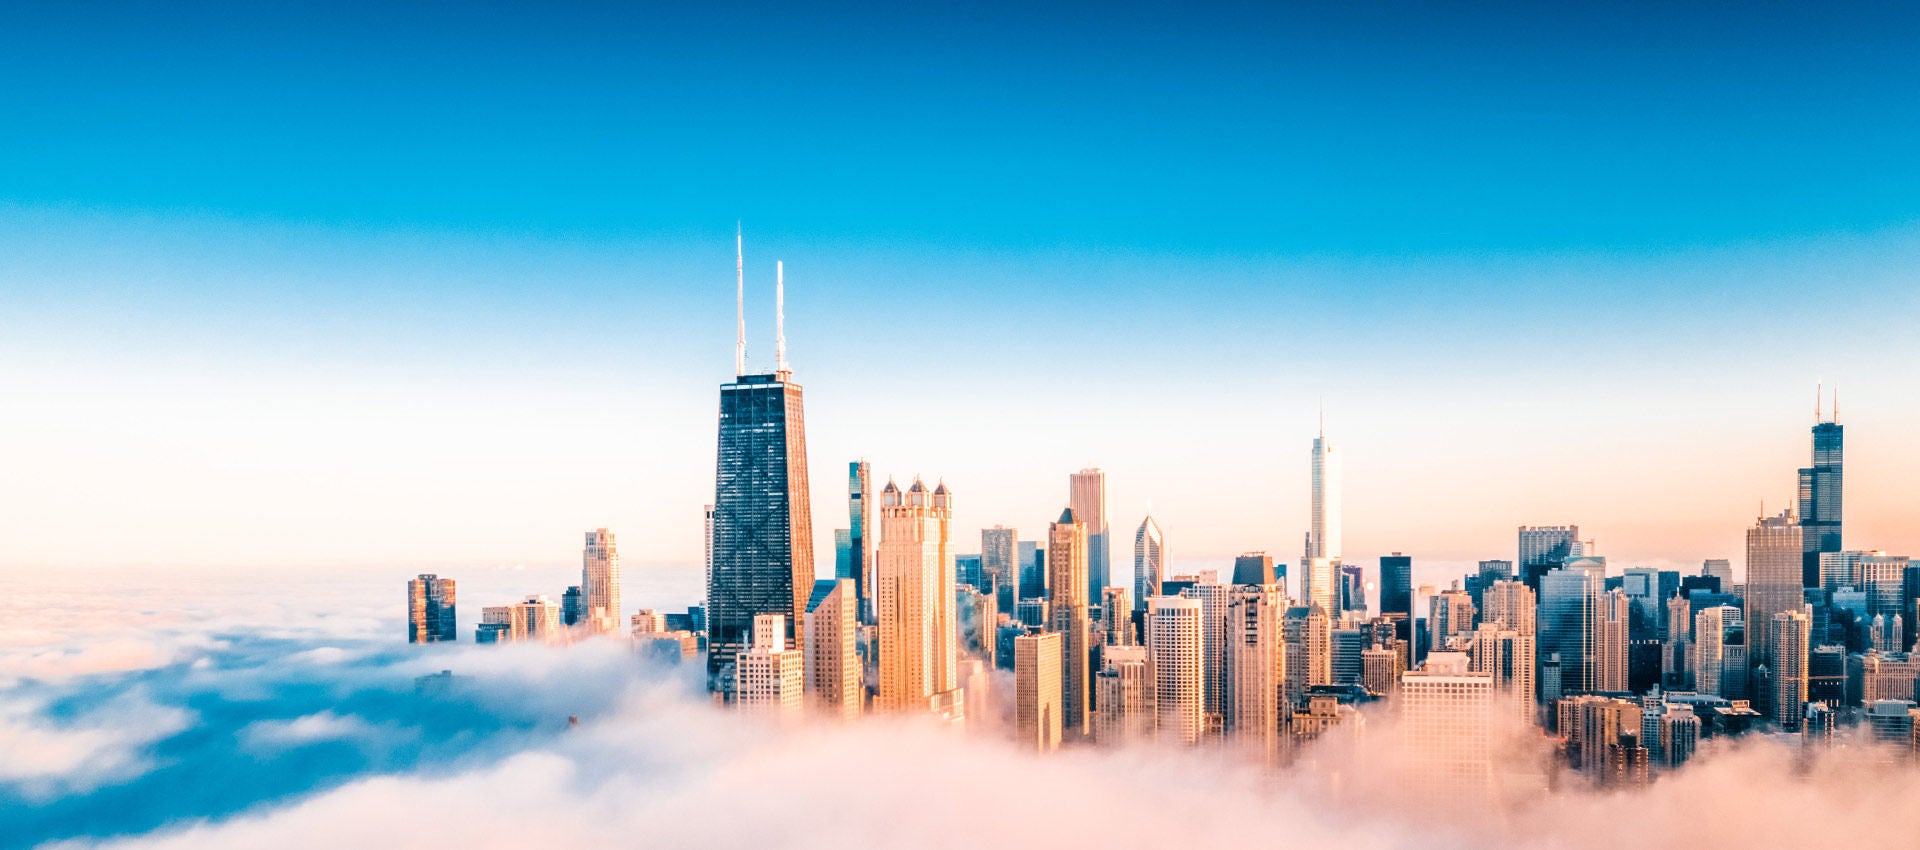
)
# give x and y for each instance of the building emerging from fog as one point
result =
(919, 635)
(430, 610)
(1088, 499)
(1068, 615)
(600, 582)
(1447, 723)
(833, 668)
(1175, 656)
(1036, 690)
(769, 677)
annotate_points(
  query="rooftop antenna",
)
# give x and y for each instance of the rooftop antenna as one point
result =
(1323, 418)
(1836, 404)
(739, 303)
(1818, 390)
(780, 316)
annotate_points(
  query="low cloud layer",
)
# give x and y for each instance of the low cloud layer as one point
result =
(256, 734)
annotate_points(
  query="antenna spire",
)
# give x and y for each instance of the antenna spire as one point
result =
(780, 316)
(1818, 391)
(739, 303)
(1836, 404)
(1323, 418)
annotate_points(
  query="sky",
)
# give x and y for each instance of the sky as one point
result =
(416, 286)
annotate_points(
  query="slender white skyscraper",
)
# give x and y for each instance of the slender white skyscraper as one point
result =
(600, 581)
(1323, 541)
(1087, 496)
(1149, 562)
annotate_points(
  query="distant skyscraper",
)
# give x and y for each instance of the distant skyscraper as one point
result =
(1175, 653)
(770, 678)
(1214, 599)
(533, 618)
(573, 606)
(914, 578)
(1719, 568)
(1820, 494)
(833, 669)
(1789, 669)
(1066, 575)
(1319, 584)
(1447, 723)
(859, 542)
(1774, 560)
(430, 610)
(1449, 615)
(1124, 697)
(1256, 671)
(1509, 605)
(1714, 632)
(1036, 673)
(1396, 585)
(1507, 646)
(1323, 536)
(763, 519)
(600, 582)
(1000, 562)
(1569, 600)
(1544, 548)
(1089, 503)
(1116, 617)
(1149, 562)
(1353, 588)
(1611, 638)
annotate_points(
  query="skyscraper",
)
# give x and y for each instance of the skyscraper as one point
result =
(1036, 675)
(1820, 494)
(1544, 548)
(1610, 635)
(1213, 647)
(1774, 584)
(1066, 574)
(430, 609)
(1116, 617)
(1174, 653)
(859, 544)
(770, 678)
(1323, 536)
(600, 582)
(1569, 599)
(1256, 667)
(915, 599)
(1789, 668)
(1254, 569)
(1000, 563)
(1124, 705)
(1716, 671)
(833, 668)
(1088, 499)
(762, 518)
(1446, 723)
(1149, 562)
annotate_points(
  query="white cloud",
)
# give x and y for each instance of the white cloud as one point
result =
(46, 757)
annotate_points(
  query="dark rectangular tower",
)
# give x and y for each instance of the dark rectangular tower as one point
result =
(1820, 501)
(762, 519)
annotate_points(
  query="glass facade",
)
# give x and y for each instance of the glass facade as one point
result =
(761, 511)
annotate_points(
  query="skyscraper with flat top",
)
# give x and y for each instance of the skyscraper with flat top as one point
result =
(1790, 651)
(1149, 562)
(1820, 494)
(1774, 561)
(762, 517)
(1066, 571)
(1257, 667)
(1174, 659)
(1446, 724)
(600, 582)
(1089, 503)
(859, 544)
(833, 668)
(430, 609)
(1000, 564)
(1544, 548)
(1036, 685)
(770, 676)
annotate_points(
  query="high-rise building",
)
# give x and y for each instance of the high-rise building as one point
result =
(1820, 495)
(1569, 599)
(430, 610)
(1214, 599)
(1510, 656)
(600, 581)
(1610, 635)
(1000, 563)
(1509, 605)
(1544, 548)
(978, 619)
(1067, 575)
(1715, 631)
(1123, 707)
(1149, 562)
(1256, 661)
(1676, 658)
(1679, 735)
(1323, 534)
(573, 606)
(1174, 656)
(1774, 560)
(647, 621)
(1488, 573)
(1380, 670)
(1116, 617)
(769, 678)
(1088, 499)
(762, 518)
(1309, 648)
(1719, 568)
(1353, 589)
(533, 618)
(833, 668)
(1789, 669)
(1320, 584)
(914, 580)
(859, 566)
(1396, 585)
(1447, 723)
(1449, 615)
(1254, 569)
(1036, 674)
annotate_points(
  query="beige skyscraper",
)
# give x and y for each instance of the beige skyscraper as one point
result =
(1309, 650)
(1067, 576)
(1116, 617)
(1036, 684)
(919, 663)
(1510, 656)
(1610, 641)
(1087, 496)
(1711, 626)
(1446, 724)
(1123, 712)
(600, 581)
(1213, 648)
(769, 677)
(1775, 554)
(1510, 605)
(833, 669)
(1256, 657)
(1789, 633)
(1174, 653)
(1380, 670)
(1449, 615)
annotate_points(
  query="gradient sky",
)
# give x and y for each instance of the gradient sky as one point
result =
(442, 286)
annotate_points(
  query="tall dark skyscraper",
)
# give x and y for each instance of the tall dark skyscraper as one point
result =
(1545, 548)
(1820, 494)
(762, 517)
(859, 546)
(1396, 584)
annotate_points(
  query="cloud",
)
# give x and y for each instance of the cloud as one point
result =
(307, 729)
(48, 756)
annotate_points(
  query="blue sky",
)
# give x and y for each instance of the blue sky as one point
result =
(408, 283)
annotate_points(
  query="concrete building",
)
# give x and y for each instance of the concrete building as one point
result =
(1123, 712)
(1789, 634)
(600, 582)
(1069, 616)
(1087, 497)
(919, 645)
(1447, 727)
(1256, 667)
(834, 679)
(1175, 654)
(1037, 690)
(1774, 561)
(769, 678)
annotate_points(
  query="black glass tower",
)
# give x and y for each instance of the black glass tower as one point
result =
(762, 519)
(1820, 501)
(1396, 585)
